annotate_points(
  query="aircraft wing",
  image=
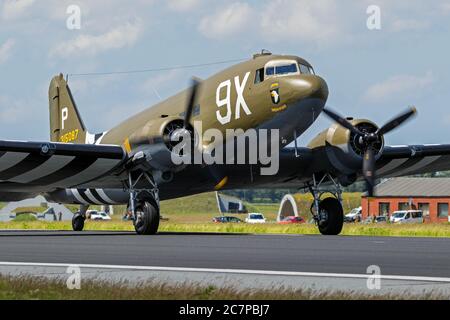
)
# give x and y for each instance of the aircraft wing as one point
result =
(399, 161)
(298, 167)
(47, 166)
(395, 161)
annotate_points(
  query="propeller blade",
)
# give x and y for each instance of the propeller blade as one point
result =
(397, 121)
(342, 121)
(369, 170)
(190, 105)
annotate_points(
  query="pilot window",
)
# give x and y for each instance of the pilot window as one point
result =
(305, 69)
(259, 76)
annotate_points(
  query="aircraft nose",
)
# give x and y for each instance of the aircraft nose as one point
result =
(309, 86)
(318, 88)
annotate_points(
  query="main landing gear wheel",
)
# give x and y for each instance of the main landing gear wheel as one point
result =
(78, 222)
(331, 216)
(147, 219)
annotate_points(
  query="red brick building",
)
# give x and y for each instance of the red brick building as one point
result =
(430, 195)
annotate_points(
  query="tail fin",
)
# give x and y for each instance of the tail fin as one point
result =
(66, 124)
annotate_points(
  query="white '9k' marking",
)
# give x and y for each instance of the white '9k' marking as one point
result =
(226, 101)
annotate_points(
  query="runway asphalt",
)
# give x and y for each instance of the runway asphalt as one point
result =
(416, 257)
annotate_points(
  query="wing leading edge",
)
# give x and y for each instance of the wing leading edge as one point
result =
(399, 161)
(24, 165)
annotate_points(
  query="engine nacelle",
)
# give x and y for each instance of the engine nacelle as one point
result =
(342, 150)
(154, 141)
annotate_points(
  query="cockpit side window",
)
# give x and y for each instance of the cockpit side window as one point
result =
(259, 76)
(306, 69)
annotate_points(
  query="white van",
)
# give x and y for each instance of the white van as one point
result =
(255, 218)
(407, 216)
(97, 215)
(354, 215)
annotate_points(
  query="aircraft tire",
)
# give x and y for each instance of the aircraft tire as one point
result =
(78, 222)
(147, 221)
(333, 224)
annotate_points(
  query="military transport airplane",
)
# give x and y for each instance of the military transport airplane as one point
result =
(132, 163)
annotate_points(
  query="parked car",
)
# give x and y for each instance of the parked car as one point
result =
(354, 216)
(375, 219)
(292, 220)
(223, 219)
(381, 219)
(407, 216)
(368, 220)
(255, 218)
(97, 215)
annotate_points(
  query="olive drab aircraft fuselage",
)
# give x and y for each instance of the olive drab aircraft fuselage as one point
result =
(132, 163)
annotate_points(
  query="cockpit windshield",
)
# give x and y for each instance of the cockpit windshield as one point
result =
(281, 68)
(286, 67)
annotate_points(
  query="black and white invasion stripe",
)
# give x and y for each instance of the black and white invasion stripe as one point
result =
(89, 196)
(56, 165)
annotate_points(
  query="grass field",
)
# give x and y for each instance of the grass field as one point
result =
(12, 288)
(194, 214)
(424, 230)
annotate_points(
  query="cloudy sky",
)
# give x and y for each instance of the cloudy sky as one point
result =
(371, 73)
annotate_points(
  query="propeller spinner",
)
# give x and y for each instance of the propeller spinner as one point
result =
(367, 140)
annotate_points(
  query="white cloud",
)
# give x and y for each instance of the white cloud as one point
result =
(183, 5)
(13, 111)
(445, 7)
(409, 25)
(13, 9)
(6, 50)
(155, 84)
(226, 21)
(398, 85)
(91, 45)
(309, 21)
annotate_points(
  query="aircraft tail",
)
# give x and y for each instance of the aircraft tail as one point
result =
(66, 124)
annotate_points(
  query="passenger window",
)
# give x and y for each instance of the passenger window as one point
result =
(195, 111)
(259, 77)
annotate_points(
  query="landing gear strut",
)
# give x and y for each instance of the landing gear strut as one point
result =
(144, 205)
(79, 218)
(328, 213)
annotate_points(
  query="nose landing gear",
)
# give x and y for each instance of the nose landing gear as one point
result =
(328, 213)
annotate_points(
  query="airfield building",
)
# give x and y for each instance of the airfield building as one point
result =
(430, 195)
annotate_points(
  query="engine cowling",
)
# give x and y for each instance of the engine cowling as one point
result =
(342, 150)
(154, 141)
